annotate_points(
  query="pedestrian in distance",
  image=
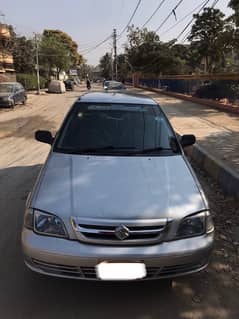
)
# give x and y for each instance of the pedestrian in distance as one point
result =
(88, 85)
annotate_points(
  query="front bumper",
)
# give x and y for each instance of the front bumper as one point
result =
(73, 259)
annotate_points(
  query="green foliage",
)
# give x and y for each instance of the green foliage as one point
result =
(234, 5)
(219, 90)
(53, 54)
(147, 54)
(86, 71)
(64, 38)
(207, 37)
(23, 55)
(123, 67)
(29, 81)
(106, 66)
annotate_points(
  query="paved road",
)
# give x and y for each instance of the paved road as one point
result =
(211, 294)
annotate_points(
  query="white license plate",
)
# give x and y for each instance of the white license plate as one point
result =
(120, 271)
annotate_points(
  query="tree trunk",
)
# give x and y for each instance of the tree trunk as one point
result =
(58, 73)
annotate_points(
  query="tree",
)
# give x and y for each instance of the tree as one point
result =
(123, 67)
(234, 5)
(23, 55)
(207, 37)
(86, 71)
(106, 66)
(64, 38)
(53, 54)
(142, 48)
(22, 50)
(146, 53)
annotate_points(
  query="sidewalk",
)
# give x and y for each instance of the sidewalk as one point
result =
(217, 132)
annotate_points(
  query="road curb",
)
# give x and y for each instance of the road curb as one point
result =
(227, 178)
(214, 104)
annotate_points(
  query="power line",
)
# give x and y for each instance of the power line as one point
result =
(153, 14)
(186, 36)
(169, 15)
(190, 22)
(183, 18)
(96, 46)
(214, 3)
(131, 18)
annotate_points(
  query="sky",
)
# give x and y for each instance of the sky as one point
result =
(89, 22)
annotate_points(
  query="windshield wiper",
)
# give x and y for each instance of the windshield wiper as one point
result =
(100, 149)
(154, 149)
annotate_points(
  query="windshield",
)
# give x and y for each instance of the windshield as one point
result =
(115, 128)
(6, 88)
(113, 84)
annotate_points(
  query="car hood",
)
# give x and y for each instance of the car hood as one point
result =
(110, 187)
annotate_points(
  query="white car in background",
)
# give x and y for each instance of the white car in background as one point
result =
(56, 86)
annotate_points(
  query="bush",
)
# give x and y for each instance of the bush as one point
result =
(219, 90)
(29, 81)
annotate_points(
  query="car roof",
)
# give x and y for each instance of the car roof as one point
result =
(114, 97)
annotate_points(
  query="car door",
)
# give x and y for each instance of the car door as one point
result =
(21, 93)
(16, 94)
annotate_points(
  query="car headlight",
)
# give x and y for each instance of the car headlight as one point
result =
(195, 225)
(44, 223)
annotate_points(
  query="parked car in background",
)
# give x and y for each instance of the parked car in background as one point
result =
(113, 85)
(117, 198)
(12, 93)
(69, 84)
(56, 86)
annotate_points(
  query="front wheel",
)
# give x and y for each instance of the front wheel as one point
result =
(24, 101)
(12, 105)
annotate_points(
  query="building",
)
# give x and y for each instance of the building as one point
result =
(7, 72)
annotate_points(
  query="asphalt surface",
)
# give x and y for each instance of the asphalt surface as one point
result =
(214, 293)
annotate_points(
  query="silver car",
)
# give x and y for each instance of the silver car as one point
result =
(116, 198)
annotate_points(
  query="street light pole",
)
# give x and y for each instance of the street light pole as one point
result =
(37, 66)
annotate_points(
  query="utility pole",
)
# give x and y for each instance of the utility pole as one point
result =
(115, 53)
(112, 65)
(37, 65)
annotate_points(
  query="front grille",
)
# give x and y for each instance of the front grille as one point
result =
(65, 270)
(83, 272)
(174, 270)
(110, 232)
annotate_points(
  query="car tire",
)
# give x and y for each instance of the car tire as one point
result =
(12, 104)
(24, 101)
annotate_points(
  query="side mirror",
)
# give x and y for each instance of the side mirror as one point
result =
(44, 137)
(187, 140)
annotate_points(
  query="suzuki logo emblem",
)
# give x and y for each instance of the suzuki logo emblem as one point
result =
(122, 232)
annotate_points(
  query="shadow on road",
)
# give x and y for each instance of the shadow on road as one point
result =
(25, 126)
